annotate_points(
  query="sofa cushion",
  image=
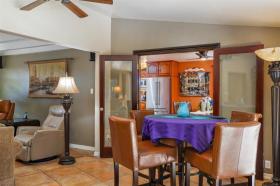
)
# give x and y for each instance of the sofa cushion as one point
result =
(25, 139)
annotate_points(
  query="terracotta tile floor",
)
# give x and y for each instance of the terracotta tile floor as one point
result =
(87, 171)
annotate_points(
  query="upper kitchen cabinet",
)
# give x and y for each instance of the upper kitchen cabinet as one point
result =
(152, 69)
(162, 68)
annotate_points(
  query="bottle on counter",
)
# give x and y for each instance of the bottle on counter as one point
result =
(25, 115)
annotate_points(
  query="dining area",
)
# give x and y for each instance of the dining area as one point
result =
(170, 145)
(184, 120)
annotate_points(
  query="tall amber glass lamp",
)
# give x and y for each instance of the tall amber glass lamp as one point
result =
(66, 86)
(273, 55)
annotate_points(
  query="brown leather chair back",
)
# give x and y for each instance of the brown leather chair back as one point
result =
(138, 116)
(237, 116)
(10, 115)
(6, 110)
(235, 149)
(124, 142)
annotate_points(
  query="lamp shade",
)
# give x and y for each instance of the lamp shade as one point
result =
(66, 85)
(269, 54)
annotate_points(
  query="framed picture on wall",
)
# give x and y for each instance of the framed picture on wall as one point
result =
(44, 77)
(194, 82)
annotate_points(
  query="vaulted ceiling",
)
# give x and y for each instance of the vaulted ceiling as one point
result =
(227, 12)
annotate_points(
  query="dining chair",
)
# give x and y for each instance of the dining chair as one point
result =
(238, 116)
(232, 155)
(135, 155)
(138, 116)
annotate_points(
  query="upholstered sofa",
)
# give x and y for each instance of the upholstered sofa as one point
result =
(9, 148)
(7, 109)
(43, 142)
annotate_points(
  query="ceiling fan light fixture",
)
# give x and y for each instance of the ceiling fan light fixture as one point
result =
(203, 55)
(67, 3)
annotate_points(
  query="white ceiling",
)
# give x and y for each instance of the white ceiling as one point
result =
(11, 44)
(228, 12)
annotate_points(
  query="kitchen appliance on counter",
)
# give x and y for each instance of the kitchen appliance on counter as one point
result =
(158, 94)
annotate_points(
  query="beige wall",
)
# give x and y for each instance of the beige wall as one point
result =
(129, 35)
(14, 82)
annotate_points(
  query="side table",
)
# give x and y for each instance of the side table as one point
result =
(18, 122)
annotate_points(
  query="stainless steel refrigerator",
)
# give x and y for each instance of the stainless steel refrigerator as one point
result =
(158, 94)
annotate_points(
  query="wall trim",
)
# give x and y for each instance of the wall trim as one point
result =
(267, 176)
(82, 147)
(97, 108)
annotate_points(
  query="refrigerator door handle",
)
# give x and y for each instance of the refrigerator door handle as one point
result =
(156, 93)
(159, 93)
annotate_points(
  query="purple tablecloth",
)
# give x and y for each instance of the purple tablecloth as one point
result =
(196, 130)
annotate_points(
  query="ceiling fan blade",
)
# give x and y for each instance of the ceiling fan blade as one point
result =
(74, 8)
(33, 5)
(101, 1)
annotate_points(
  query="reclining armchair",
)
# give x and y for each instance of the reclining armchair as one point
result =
(43, 142)
(9, 148)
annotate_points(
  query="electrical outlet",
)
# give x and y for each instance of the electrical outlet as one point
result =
(91, 91)
(267, 164)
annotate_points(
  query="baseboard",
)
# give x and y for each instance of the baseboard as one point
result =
(82, 147)
(96, 154)
(267, 176)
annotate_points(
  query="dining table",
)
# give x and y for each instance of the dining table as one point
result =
(195, 130)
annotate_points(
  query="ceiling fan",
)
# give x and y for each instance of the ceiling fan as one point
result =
(202, 54)
(68, 4)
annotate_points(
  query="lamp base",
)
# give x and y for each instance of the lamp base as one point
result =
(67, 160)
(271, 184)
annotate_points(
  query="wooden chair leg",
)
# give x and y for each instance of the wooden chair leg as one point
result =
(200, 179)
(135, 178)
(152, 175)
(160, 174)
(116, 174)
(188, 174)
(173, 174)
(251, 180)
(217, 182)
(232, 181)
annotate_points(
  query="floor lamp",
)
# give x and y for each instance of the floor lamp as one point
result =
(273, 55)
(66, 86)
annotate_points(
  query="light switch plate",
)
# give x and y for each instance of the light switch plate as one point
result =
(267, 164)
(91, 91)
